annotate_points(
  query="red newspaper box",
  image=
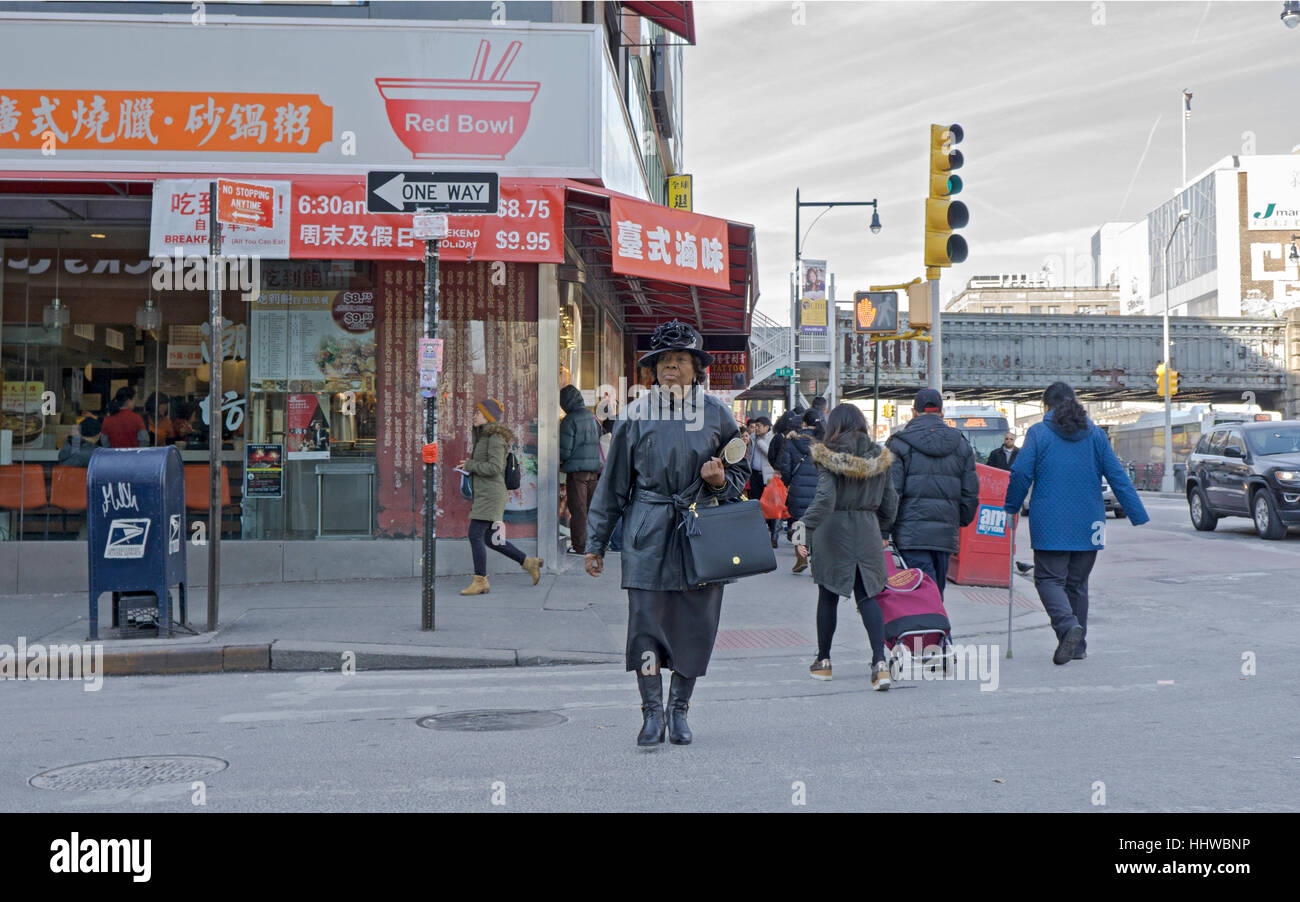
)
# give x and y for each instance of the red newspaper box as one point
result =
(983, 555)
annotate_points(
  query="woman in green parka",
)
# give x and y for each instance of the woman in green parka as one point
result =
(487, 468)
(855, 503)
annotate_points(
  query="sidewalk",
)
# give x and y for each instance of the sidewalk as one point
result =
(568, 618)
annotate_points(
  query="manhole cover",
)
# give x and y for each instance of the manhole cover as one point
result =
(491, 721)
(128, 773)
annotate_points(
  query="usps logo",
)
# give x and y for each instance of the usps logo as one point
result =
(127, 538)
(992, 521)
(174, 536)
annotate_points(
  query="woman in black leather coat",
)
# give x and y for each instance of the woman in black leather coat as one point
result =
(665, 455)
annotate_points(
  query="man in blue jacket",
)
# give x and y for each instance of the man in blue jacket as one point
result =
(1064, 457)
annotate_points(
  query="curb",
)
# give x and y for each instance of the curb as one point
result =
(297, 656)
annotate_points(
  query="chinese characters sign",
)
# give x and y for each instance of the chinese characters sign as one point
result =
(658, 243)
(138, 93)
(330, 221)
(164, 120)
(728, 370)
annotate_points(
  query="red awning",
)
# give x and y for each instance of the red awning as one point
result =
(679, 18)
(648, 302)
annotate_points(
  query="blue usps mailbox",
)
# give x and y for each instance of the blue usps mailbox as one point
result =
(135, 509)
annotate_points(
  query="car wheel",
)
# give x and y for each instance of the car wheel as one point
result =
(1203, 517)
(1267, 523)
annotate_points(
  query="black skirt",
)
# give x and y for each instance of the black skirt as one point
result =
(679, 628)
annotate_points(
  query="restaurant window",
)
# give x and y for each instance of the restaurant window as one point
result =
(312, 401)
(109, 375)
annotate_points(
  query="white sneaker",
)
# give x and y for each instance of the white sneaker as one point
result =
(880, 677)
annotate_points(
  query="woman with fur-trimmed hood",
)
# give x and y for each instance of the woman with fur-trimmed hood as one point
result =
(486, 467)
(854, 505)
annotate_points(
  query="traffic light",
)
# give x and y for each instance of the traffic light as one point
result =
(942, 247)
(1161, 386)
(1173, 383)
(887, 409)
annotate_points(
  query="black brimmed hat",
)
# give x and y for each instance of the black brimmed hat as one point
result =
(675, 335)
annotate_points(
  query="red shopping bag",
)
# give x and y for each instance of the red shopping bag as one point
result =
(773, 500)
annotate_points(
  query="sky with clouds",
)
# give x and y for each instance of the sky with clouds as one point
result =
(1072, 114)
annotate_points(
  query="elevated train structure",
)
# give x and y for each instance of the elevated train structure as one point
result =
(1014, 357)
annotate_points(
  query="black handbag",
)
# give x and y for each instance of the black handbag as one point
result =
(725, 542)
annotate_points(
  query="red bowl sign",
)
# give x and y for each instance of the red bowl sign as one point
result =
(452, 118)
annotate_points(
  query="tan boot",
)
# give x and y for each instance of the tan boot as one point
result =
(478, 587)
(800, 563)
(533, 567)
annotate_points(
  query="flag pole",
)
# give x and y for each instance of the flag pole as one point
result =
(1187, 114)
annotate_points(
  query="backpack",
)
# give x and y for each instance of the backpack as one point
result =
(512, 475)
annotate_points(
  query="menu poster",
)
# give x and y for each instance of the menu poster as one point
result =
(489, 350)
(263, 471)
(399, 308)
(309, 429)
(313, 341)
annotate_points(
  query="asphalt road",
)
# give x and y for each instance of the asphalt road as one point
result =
(1165, 712)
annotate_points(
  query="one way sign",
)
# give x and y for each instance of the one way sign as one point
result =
(437, 192)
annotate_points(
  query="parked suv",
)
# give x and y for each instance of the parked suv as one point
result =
(1247, 470)
(1108, 499)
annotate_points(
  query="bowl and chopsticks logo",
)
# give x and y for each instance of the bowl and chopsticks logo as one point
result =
(481, 117)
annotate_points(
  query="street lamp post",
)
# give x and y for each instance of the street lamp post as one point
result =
(1167, 480)
(798, 272)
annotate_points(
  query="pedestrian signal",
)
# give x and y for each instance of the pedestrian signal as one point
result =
(875, 311)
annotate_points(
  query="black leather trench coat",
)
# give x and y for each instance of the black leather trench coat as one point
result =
(655, 455)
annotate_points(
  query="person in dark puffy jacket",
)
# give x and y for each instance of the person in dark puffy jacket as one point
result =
(800, 473)
(580, 433)
(1064, 458)
(938, 489)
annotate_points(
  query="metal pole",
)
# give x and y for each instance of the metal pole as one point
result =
(1167, 480)
(875, 396)
(1184, 118)
(794, 338)
(1011, 579)
(429, 570)
(796, 317)
(216, 354)
(833, 389)
(936, 337)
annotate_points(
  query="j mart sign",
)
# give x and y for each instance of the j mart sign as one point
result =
(306, 93)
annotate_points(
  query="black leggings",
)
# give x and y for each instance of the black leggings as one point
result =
(478, 530)
(827, 612)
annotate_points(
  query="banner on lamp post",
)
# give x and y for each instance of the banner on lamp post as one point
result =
(812, 297)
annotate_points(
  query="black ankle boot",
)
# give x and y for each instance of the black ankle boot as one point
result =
(652, 709)
(679, 702)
